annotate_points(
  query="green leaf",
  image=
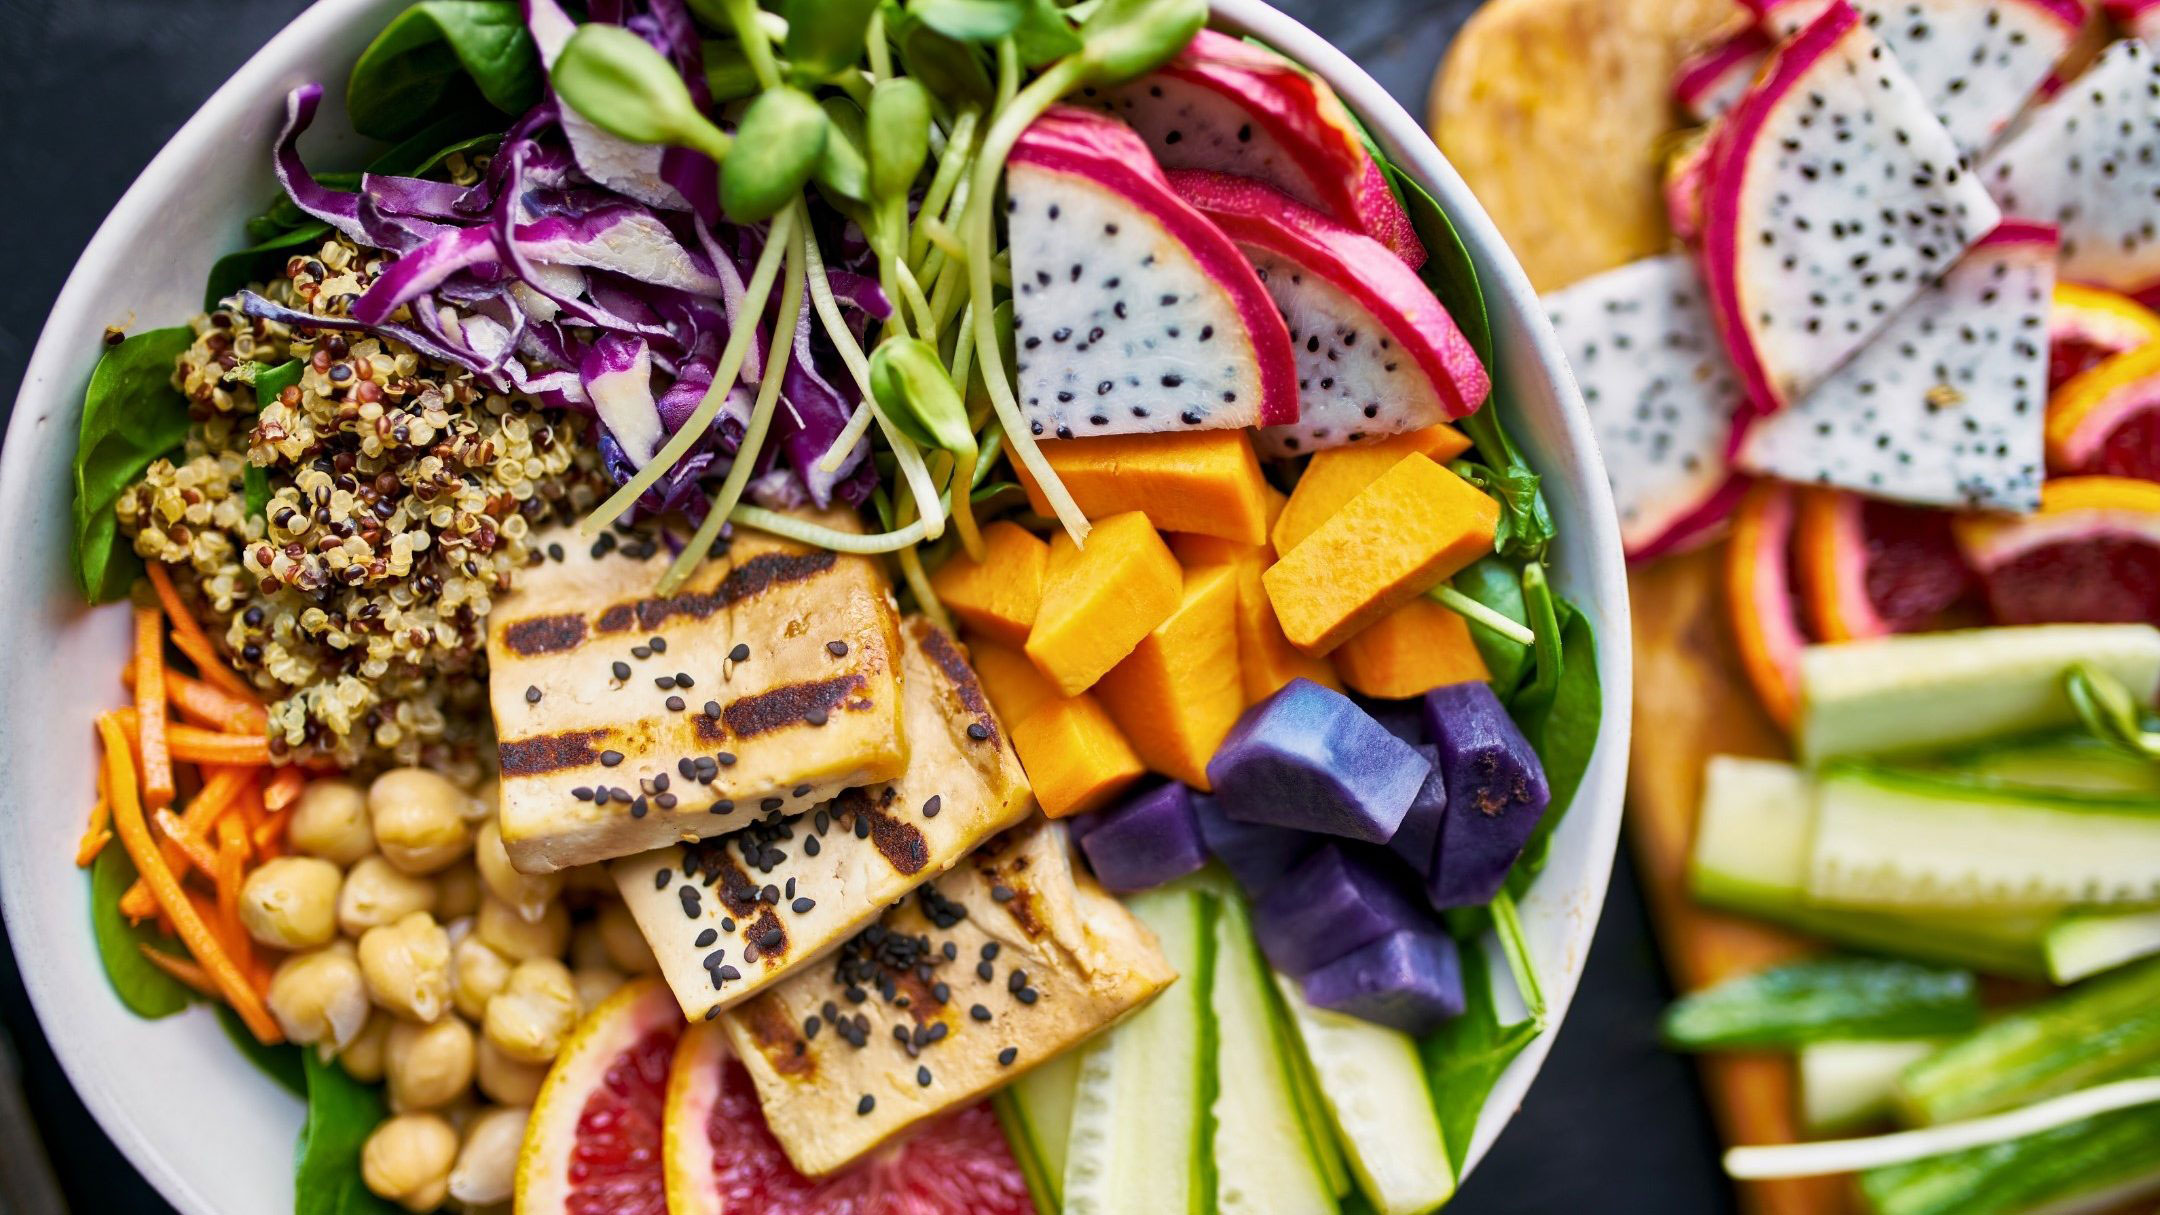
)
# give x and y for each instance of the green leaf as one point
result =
(978, 21)
(824, 37)
(617, 81)
(437, 55)
(281, 1063)
(778, 146)
(1495, 583)
(1448, 269)
(260, 261)
(1044, 35)
(1563, 730)
(341, 1112)
(1464, 1058)
(141, 986)
(1122, 39)
(425, 151)
(1823, 999)
(954, 72)
(131, 415)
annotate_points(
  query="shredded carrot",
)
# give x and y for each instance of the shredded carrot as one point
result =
(157, 771)
(270, 832)
(198, 852)
(195, 745)
(283, 788)
(231, 861)
(189, 638)
(182, 969)
(189, 924)
(225, 787)
(204, 704)
(95, 836)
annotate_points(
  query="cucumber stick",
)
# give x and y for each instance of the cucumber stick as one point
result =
(1042, 1186)
(2086, 943)
(1373, 1084)
(2089, 1166)
(1822, 999)
(1312, 1108)
(1751, 849)
(1036, 1111)
(1265, 1160)
(2075, 762)
(1140, 1142)
(1904, 839)
(1844, 1085)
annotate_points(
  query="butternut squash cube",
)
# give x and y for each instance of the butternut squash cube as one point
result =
(1203, 481)
(997, 596)
(1410, 651)
(1334, 476)
(1176, 696)
(1400, 536)
(1099, 601)
(1015, 687)
(1196, 552)
(1074, 756)
(1266, 659)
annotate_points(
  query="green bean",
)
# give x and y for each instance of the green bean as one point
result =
(622, 85)
(778, 146)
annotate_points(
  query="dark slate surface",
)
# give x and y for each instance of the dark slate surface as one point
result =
(89, 89)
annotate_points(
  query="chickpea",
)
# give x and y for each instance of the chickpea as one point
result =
(363, 1056)
(516, 937)
(503, 1078)
(407, 966)
(330, 820)
(407, 1160)
(457, 891)
(627, 949)
(418, 818)
(477, 972)
(484, 802)
(376, 893)
(428, 1066)
(291, 902)
(526, 894)
(533, 1014)
(595, 984)
(319, 998)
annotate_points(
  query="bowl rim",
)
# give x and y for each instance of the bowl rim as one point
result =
(55, 370)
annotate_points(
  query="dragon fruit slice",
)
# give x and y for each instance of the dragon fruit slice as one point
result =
(1832, 198)
(1227, 105)
(1376, 353)
(2089, 161)
(1132, 312)
(1976, 61)
(1946, 408)
(1713, 80)
(1661, 397)
(2138, 18)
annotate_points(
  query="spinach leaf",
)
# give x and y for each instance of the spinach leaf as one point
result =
(281, 1063)
(1563, 729)
(424, 151)
(341, 1112)
(141, 986)
(269, 382)
(131, 415)
(1495, 583)
(262, 260)
(283, 214)
(1464, 1057)
(434, 57)
(1448, 269)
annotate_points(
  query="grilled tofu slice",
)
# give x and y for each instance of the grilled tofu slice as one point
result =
(1007, 961)
(729, 916)
(793, 694)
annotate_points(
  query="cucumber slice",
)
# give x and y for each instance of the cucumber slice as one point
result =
(1902, 839)
(1264, 1159)
(1844, 1085)
(1374, 1086)
(1751, 849)
(2090, 1166)
(1312, 1109)
(1824, 999)
(2076, 763)
(1040, 1113)
(2087, 942)
(1929, 691)
(1140, 1142)
(1027, 1153)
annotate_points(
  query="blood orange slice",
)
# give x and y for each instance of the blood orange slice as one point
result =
(2091, 554)
(593, 1144)
(1759, 596)
(2089, 325)
(1868, 568)
(2107, 420)
(721, 1159)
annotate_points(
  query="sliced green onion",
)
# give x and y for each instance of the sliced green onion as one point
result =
(1507, 921)
(1470, 609)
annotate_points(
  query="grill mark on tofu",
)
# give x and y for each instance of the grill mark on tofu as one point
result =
(900, 843)
(761, 930)
(649, 614)
(710, 859)
(536, 635)
(1023, 906)
(550, 752)
(790, 704)
(768, 570)
(778, 1039)
(955, 667)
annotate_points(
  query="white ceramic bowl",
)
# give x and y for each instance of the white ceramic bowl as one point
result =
(208, 1130)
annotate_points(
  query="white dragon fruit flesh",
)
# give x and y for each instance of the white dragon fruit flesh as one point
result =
(1131, 312)
(2088, 162)
(1976, 61)
(1831, 198)
(1713, 80)
(1661, 397)
(1376, 353)
(1226, 105)
(1947, 407)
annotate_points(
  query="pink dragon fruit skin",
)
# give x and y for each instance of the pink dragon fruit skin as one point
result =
(1376, 353)
(2138, 18)
(1711, 81)
(1132, 313)
(1224, 104)
(1832, 198)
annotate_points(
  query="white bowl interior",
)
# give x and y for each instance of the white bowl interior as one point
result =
(210, 1132)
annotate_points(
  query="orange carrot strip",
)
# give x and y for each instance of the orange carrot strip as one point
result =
(271, 832)
(232, 854)
(198, 852)
(225, 786)
(195, 745)
(189, 638)
(165, 887)
(182, 969)
(95, 836)
(157, 772)
(283, 788)
(205, 704)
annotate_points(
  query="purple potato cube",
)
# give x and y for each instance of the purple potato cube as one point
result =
(1308, 759)
(1419, 836)
(1496, 793)
(1257, 855)
(1410, 979)
(1337, 901)
(1405, 719)
(1149, 840)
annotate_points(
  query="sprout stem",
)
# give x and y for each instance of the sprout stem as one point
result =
(880, 53)
(1470, 609)
(756, 43)
(951, 170)
(911, 569)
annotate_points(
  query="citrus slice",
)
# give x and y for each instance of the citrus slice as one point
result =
(1869, 569)
(721, 1159)
(593, 1144)
(2089, 325)
(1759, 598)
(2091, 554)
(2107, 420)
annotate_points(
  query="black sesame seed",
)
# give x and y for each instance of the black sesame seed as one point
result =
(1002, 893)
(864, 1106)
(705, 938)
(985, 971)
(621, 669)
(1016, 981)
(609, 759)
(658, 644)
(683, 680)
(664, 682)
(729, 972)
(675, 704)
(641, 651)
(727, 758)
(638, 807)
(771, 803)
(727, 923)
(741, 652)
(811, 847)
(815, 717)
(712, 708)
(939, 991)
(837, 649)
(922, 1077)
(715, 958)
(803, 905)
(1006, 1056)
(990, 951)
(666, 801)
(930, 808)
(1025, 995)
(978, 731)
(978, 1012)
(532, 695)
(712, 1012)
(661, 879)
(723, 806)
(583, 793)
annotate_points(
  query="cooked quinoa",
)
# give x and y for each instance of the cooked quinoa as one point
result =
(403, 497)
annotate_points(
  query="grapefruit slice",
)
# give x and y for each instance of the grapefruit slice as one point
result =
(1869, 569)
(2089, 325)
(2091, 554)
(721, 1159)
(2107, 420)
(1759, 598)
(593, 1144)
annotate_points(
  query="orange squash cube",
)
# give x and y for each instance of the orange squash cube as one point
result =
(1335, 476)
(997, 596)
(1098, 602)
(1410, 651)
(1202, 481)
(1177, 695)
